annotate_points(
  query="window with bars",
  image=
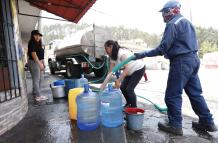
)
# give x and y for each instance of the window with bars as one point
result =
(9, 77)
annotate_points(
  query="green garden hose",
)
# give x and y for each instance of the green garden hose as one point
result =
(161, 109)
(116, 68)
(105, 74)
(120, 65)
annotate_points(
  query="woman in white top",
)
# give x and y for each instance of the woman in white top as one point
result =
(132, 73)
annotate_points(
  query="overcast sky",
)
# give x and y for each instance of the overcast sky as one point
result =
(144, 15)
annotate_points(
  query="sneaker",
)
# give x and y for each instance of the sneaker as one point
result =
(38, 99)
(204, 127)
(41, 98)
(127, 106)
(170, 129)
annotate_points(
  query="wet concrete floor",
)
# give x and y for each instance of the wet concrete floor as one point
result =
(50, 123)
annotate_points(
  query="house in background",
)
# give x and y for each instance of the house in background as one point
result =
(210, 60)
(17, 19)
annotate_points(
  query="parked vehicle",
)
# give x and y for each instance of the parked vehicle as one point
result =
(82, 53)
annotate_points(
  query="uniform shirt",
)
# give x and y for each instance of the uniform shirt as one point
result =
(32, 47)
(179, 38)
(132, 66)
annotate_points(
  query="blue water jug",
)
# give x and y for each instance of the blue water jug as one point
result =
(111, 107)
(88, 110)
(82, 81)
(70, 84)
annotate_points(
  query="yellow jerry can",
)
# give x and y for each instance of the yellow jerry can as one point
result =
(72, 101)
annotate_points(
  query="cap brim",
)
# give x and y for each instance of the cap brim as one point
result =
(39, 34)
(161, 10)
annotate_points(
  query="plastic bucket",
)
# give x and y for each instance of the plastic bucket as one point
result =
(57, 91)
(59, 82)
(134, 118)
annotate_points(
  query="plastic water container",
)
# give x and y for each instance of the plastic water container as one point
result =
(73, 93)
(88, 108)
(111, 107)
(82, 81)
(70, 84)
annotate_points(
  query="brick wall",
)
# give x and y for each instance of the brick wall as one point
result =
(11, 112)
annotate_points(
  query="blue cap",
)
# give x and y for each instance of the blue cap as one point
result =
(170, 4)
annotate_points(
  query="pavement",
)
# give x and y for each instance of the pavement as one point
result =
(50, 123)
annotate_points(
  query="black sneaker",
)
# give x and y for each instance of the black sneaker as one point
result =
(170, 129)
(204, 127)
(127, 106)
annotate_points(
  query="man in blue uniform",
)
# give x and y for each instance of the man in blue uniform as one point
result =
(179, 45)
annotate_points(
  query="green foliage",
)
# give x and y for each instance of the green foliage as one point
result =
(59, 31)
(207, 37)
(207, 40)
(121, 33)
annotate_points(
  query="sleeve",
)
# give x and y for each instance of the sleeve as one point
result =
(166, 42)
(112, 61)
(123, 57)
(31, 47)
(168, 38)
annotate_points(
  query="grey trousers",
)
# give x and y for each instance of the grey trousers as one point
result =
(37, 76)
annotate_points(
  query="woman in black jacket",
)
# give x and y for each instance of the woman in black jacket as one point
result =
(36, 63)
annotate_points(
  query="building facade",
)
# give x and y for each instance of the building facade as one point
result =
(13, 95)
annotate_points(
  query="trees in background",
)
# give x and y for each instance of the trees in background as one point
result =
(59, 31)
(207, 37)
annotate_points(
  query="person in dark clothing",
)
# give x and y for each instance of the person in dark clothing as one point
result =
(145, 76)
(36, 63)
(179, 45)
(131, 74)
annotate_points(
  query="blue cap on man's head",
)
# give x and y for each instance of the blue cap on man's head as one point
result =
(170, 4)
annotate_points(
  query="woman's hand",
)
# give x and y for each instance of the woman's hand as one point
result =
(117, 84)
(122, 76)
(42, 67)
(102, 86)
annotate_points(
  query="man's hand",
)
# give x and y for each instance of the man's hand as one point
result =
(140, 55)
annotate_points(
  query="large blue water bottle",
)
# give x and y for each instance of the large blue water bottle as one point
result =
(82, 81)
(88, 110)
(111, 107)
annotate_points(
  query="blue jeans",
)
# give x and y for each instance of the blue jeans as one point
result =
(183, 74)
